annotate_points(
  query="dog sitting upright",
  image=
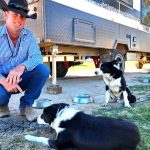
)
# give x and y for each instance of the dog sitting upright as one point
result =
(80, 131)
(115, 83)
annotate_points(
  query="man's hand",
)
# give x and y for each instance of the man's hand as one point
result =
(10, 87)
(13, 77)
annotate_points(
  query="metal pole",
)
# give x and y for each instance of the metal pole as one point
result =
(54, 71)
(54, 88)
(119, 7)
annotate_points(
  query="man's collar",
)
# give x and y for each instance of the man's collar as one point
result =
(3, 31)
(23, 32)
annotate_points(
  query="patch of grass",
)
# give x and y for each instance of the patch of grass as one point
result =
(19, 143)
(18, 139)
(141, 91)
(147, 98)
(139, 114)
(140, 88)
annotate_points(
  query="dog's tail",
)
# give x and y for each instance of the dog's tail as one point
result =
(131, 98)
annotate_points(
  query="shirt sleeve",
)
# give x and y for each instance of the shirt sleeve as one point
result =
(34, 54)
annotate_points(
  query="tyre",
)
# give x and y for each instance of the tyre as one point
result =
(117, 55)
(61, 69)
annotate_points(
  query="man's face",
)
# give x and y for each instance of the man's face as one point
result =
(15, 22)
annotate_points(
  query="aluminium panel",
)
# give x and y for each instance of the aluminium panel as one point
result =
(37, 25)
(60, 27)
(142, 38)
(84, 31)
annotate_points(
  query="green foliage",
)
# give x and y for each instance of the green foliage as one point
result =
(19, 143)
(141, 91)
(139, 88)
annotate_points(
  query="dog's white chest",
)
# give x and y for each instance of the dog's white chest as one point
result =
(113, 84)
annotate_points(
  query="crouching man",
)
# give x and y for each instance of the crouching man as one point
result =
(21, 66)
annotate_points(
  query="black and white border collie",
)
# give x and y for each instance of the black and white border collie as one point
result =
(80, 131)
(115, 83)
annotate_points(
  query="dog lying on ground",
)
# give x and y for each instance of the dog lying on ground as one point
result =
(115, 83)
(80, 131)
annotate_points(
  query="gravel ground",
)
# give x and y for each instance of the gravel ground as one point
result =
(72, 85)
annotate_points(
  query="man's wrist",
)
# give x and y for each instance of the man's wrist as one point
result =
(23, 67)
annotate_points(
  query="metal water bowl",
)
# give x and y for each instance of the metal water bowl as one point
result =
(83, 99)
(42, 103)
(146, 80)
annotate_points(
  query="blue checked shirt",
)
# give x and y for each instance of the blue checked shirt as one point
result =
(26, 52)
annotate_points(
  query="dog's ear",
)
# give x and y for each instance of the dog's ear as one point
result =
(117, 60)
(54, 109)
(47, 118)
(114, 62)
(63, 105)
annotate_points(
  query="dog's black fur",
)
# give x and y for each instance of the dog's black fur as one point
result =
(85, 132)
(115, 83)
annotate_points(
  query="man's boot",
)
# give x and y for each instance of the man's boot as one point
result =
(30, 113)
(4, 111)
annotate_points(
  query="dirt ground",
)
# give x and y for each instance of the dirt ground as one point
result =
(75, 83)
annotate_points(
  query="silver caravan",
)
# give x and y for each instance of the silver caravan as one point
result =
(100, 29)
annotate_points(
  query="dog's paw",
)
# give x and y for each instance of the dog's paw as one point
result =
(30, 138)
(127, 105)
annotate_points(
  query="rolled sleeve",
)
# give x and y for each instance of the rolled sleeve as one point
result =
(32, 62)
(34, 54)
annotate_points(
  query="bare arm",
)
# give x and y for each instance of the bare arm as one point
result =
(13, 77)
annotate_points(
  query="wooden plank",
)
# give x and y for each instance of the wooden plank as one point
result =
(45, 44)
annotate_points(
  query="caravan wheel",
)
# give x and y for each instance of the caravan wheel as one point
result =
(61, 69)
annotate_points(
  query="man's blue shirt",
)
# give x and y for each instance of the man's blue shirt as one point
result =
(26, 51)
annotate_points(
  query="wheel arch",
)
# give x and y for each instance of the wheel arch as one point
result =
(121, 45)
